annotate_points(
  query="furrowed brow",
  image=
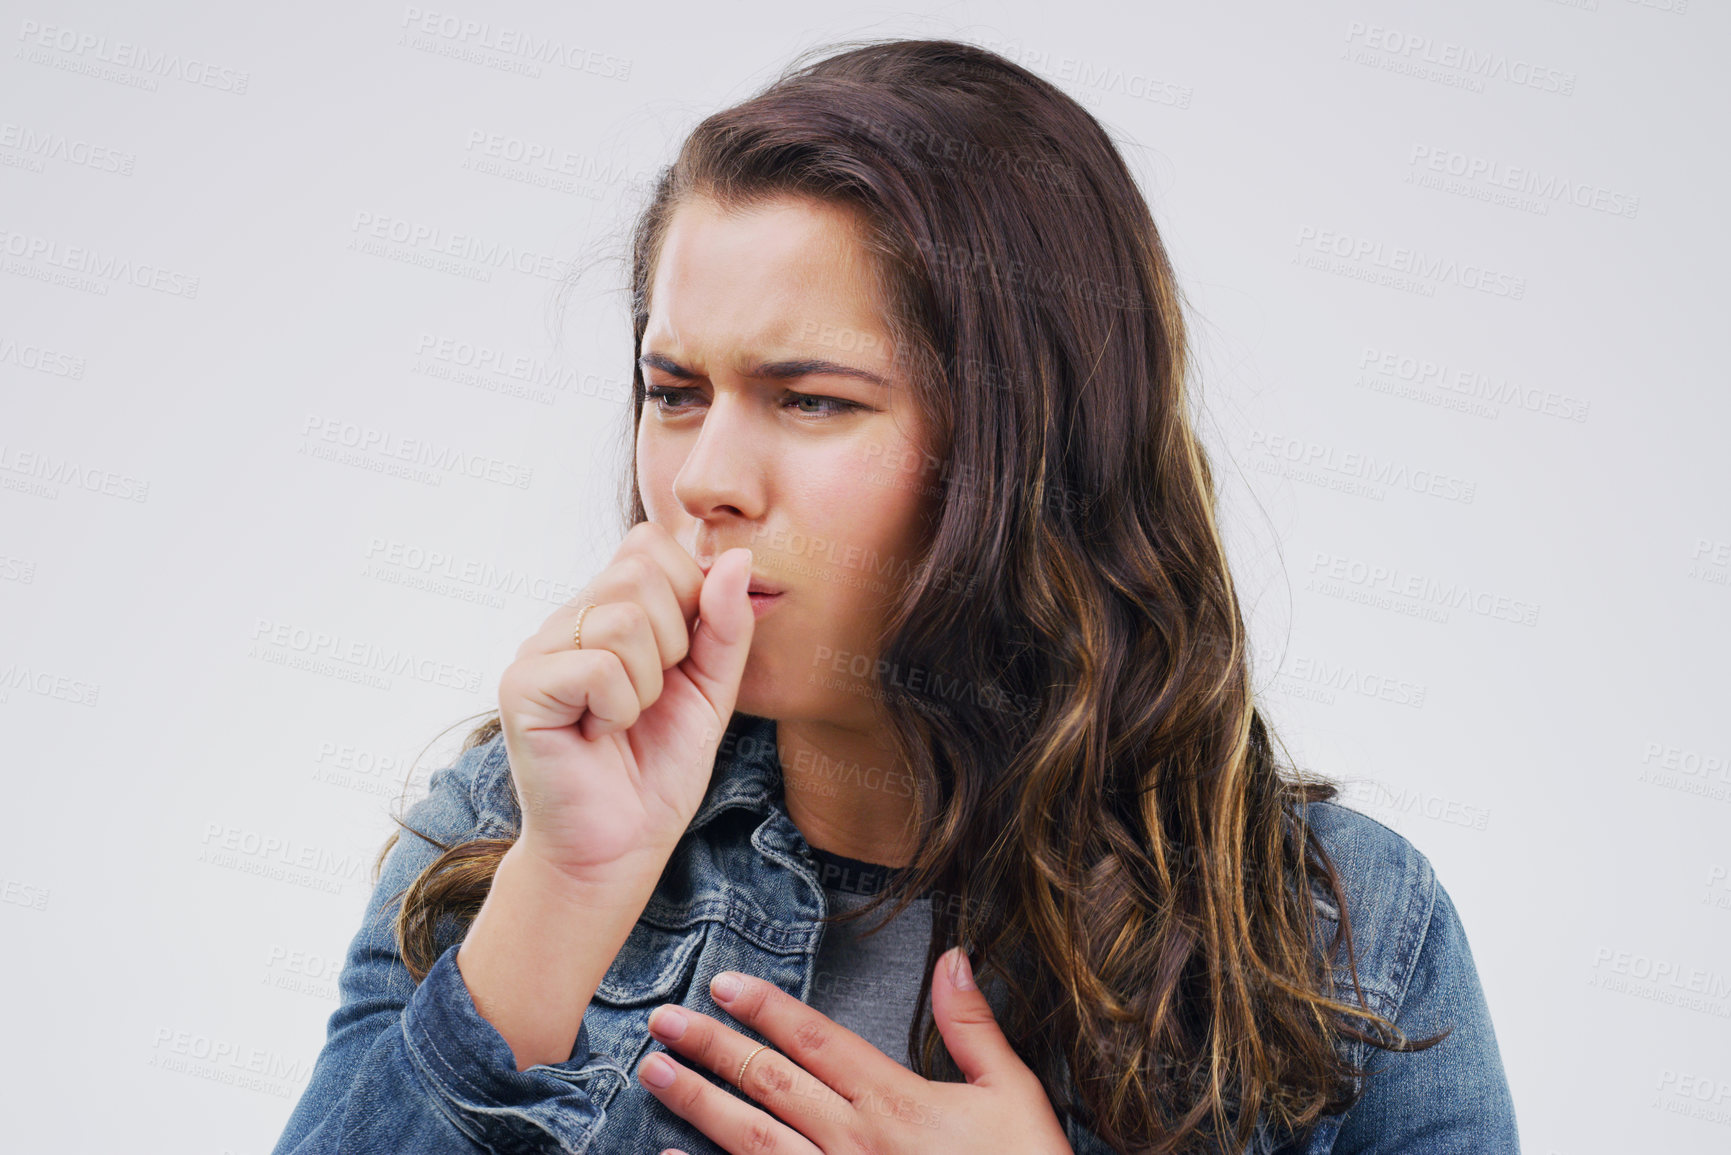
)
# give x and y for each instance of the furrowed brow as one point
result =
(775, 370)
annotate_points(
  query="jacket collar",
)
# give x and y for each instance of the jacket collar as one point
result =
(747, 770)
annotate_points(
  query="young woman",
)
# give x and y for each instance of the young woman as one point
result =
(922, 613)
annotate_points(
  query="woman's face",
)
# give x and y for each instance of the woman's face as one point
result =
(762, 429)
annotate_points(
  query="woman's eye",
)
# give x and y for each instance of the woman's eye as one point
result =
(666, 398)
(661, 395)
(836, 404)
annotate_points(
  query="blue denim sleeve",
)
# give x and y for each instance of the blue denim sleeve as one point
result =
(415, 1068)
(1453, 1097)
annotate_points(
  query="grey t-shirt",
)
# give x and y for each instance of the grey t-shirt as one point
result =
(870, 984)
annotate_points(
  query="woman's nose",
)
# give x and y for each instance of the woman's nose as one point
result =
(724, 469)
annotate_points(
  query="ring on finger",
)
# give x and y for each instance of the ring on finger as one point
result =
(577, 633)
(739, 1080)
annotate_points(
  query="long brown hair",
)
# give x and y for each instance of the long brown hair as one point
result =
(1098, 795)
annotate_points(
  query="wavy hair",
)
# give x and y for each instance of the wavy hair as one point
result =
(1097, 793)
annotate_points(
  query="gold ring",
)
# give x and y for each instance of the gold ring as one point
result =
(577, 634)
(740, 1080)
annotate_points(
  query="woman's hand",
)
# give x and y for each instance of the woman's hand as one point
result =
(612, 746)
(827, 1090)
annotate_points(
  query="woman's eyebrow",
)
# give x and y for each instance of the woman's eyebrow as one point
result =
(779, 370)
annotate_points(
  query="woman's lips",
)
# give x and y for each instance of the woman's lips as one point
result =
(763, 595)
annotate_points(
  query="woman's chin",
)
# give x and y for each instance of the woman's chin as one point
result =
(758, 692)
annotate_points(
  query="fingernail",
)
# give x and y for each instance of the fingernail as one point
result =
(656, 1071)
(961, 972)
(724, 986)
(667, 1023)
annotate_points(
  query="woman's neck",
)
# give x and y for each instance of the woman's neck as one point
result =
(846, 793)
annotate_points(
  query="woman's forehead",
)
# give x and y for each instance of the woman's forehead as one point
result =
(774, 283)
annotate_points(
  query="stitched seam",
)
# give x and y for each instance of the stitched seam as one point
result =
(437, 1099)
(512, 1125)
(432, 1044)
(678, 970)
(511, 1120)
(1414, 931)
(481, 785)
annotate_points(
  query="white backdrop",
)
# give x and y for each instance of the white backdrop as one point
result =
(298, 441)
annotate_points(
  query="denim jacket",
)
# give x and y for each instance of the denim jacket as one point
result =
(415, 1068)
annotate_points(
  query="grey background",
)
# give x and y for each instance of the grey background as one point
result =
(1529, 684)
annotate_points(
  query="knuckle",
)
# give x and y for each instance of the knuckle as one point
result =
(680, 645)
(610, 667)
(973, 1016)
(811, 1037)
(705, 1048)
(776, 1079)
(759, 1136)
(631, 616)
(635, 569)
(689, 1096)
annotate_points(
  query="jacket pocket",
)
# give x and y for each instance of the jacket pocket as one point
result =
(653, 967)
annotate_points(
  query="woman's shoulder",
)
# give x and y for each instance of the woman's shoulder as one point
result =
(1391, 893)
(1417, 969)
(1363, 848)
(475, 791)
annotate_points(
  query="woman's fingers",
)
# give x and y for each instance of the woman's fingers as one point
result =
(648, 577)
(736, 1125)
(771, 1079)
(810, 1039)
(624, 628)
(553, 690)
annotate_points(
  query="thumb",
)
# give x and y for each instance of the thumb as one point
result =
(966, 1021)
(722, 639)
